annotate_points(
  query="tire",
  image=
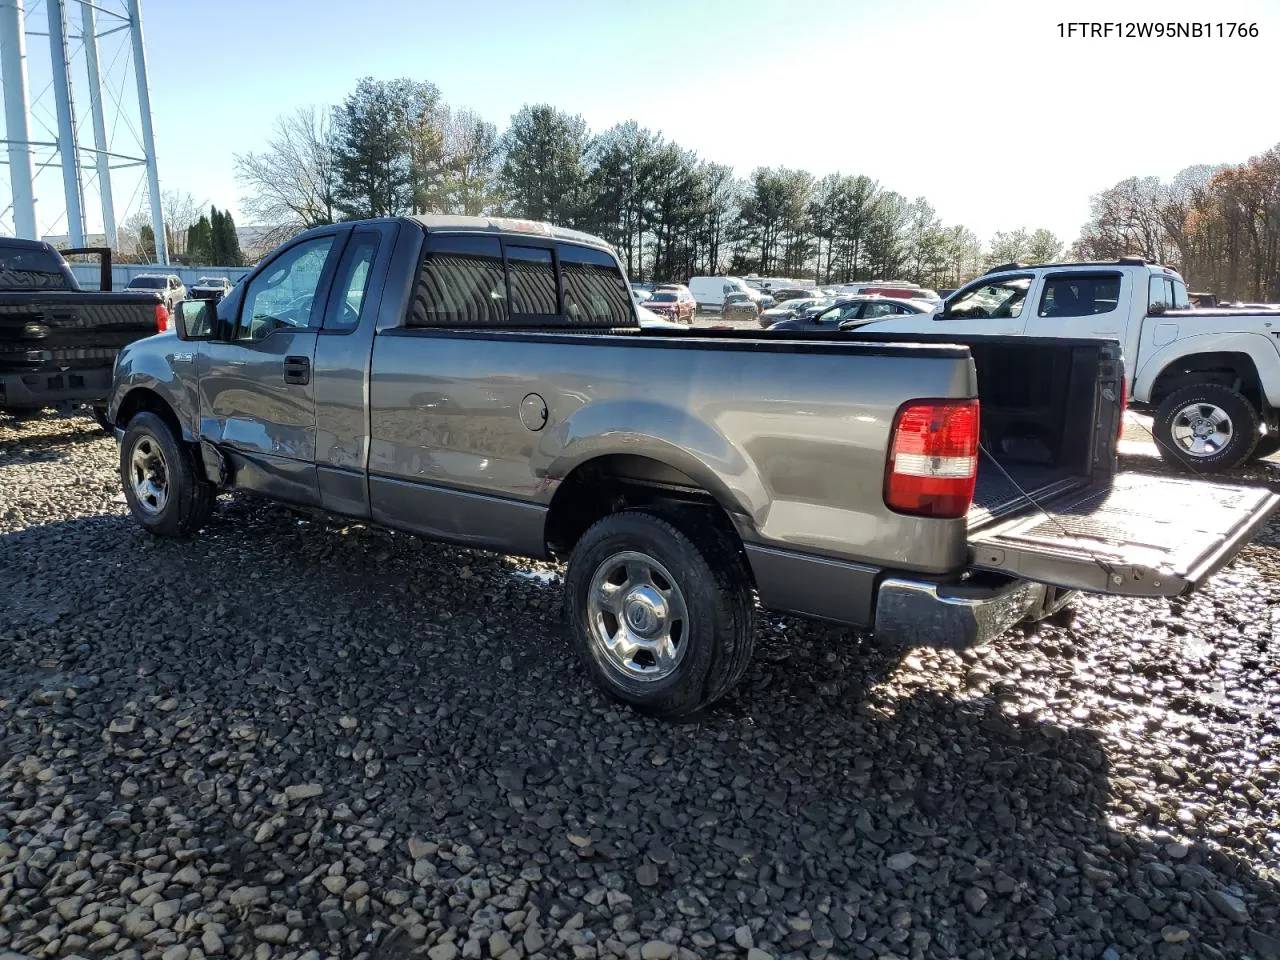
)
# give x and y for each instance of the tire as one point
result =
(708, 592)
(1267, 444)
(165, 491)
(1186, 414)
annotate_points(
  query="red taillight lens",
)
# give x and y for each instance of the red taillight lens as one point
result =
(933, 460)
(162, 318)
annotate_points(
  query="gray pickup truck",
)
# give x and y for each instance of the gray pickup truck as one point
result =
(486, 382)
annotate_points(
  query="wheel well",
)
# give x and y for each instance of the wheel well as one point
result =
(611, 484)
(141, 400)
(1234, 370)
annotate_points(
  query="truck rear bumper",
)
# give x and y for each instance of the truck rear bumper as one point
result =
(920, 613)
(60, 388)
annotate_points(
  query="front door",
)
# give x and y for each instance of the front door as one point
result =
(256, 397)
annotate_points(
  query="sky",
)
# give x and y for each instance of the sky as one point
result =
(980, 106)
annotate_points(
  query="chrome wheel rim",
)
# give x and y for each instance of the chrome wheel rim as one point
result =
(1202, 429)
(149, 475)
(637, 617)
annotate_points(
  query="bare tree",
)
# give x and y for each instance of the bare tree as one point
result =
(291, 184)
(180, 211)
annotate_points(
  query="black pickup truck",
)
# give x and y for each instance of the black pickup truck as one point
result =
(58, 343)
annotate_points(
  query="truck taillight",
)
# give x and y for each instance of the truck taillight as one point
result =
(933, 458)
(162, 318)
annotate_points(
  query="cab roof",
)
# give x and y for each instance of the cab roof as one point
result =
(437, 222)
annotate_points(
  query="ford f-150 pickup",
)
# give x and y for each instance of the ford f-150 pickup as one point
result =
(58, 344)
(487, 382)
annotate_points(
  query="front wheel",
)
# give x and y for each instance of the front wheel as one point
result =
(1206, 428)
(661, 610)
(162, 486)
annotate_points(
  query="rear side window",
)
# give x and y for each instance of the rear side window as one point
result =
(1080, 294)
(351, 283)
(533, 281)
(595, 291)
(1160, 296)
(30, 269)
(461, 284)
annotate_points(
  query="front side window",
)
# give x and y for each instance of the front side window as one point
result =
(533, 281)
(594, 289)
(1080, 294)
(837, 314)
(998, 299)
(462, 284)
(282, 297)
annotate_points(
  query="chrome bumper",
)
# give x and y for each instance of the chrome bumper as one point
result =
(918, 613)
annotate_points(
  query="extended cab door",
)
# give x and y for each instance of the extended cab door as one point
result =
(256, 396)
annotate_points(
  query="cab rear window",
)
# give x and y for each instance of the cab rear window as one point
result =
(30, 269)
(462, 283)
(469, 280)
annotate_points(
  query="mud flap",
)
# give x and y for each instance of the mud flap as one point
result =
(1142, 536)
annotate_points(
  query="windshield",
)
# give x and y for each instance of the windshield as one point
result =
(1002, 298)
(664, 296)
(148, 283)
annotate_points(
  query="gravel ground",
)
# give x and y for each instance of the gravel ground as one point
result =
(293, 738)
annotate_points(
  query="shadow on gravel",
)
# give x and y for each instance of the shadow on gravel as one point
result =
(47, 439)
(428, 692)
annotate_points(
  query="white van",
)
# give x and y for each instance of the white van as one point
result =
(710, 292)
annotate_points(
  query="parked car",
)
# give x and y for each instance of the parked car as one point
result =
(783, 294)
(1209, 377)
(845, 484)
(170, 288)
(790, 309)
(739, 306)
(211, 288)
(854, 311)
(765, 301)
(674, 303)
(709, 292)
(58, 343)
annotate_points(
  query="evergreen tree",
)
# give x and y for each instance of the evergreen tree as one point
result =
(542, 171)
(200, 246)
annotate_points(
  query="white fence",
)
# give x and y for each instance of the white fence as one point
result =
(87, 274)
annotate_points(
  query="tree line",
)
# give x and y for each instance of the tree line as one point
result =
(395, 147)
(1219, 225)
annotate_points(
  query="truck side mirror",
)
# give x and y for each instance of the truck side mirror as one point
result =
(195, 319)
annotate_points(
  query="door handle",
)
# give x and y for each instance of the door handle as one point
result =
(297, 370)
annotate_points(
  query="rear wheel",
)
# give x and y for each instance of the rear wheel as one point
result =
(1206, 428)
(162, 485)
(661, 610)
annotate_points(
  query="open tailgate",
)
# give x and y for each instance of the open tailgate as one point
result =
(1141, 536)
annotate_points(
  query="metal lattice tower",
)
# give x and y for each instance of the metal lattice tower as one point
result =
(94, 49)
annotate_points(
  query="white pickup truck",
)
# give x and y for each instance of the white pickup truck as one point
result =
(1210, 377)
